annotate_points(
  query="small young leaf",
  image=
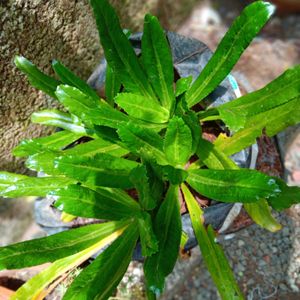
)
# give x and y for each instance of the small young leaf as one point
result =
(36, 77)
(233, 185)
(235, 41)
(178, 142)
(31, 186)
(141, 107)
(68, 77)
(157, 60)
(33, 288)
(260, 212)
(147, 237)
(54, 117)
(99, 170)
(54, 247)
(167, 228)
(144, 142)
(182, 85)
(101, 203)
(101, 277)
(212, 253)
(118, 51)
(55, 141)
(280, 91)
(139, 178)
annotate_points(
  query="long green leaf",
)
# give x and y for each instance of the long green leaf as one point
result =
(68, 77)
(167, 228)
(118, 51)
(178, 142)
(8, 179)
(144, 142)
(141, 107)
(112, 85)
(108, 204)
(212, 253)
(235, 41)
(36, 77)
(99, 170)
(233, 185)
(272, 121)
(32, 186)
(55, 141)
(258, 211)
(56, 118)
(157, 60)
(33, 288)
(280, 91)
(54, 247)
(100, 279)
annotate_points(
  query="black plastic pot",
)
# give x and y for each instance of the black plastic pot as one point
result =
(189, 57)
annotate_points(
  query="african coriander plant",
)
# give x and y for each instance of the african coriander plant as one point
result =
(142, 137)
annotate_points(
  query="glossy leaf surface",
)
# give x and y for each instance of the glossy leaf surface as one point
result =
(99, 170)
(108, 204)
(212, 253)
(99, 279)
(233, 185)
(118, 50)
(54, 247)
(233, 44)
(157, 60)
(141, 107)
(167, 228)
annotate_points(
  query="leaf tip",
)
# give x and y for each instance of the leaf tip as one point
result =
(271, 8)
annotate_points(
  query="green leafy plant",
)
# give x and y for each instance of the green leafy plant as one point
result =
(142, 137)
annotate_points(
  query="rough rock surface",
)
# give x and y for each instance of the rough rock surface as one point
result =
(60, 29)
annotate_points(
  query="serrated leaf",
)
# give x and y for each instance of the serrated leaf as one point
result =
(100, 279)
(169, 173)
(148, 239)
(242, 185)
(272, 121)
(143, 108)
(56, 118)
(54, 247)
(7, 179)
(140, 179)
(34, 288)
(213, 255)
(158, 62)
(37, 78)
(32, 186)
(235, 41)
(144, 142)
(182, 85)
(68, 77)
(178, 142)
(99, 170)
(260, 212)
(55, 141)
(101, 203)
(167, 228)
(118, 51)
(89, 110)
(112, 85)
(280, 91)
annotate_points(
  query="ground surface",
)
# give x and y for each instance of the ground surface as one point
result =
(266, 265)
